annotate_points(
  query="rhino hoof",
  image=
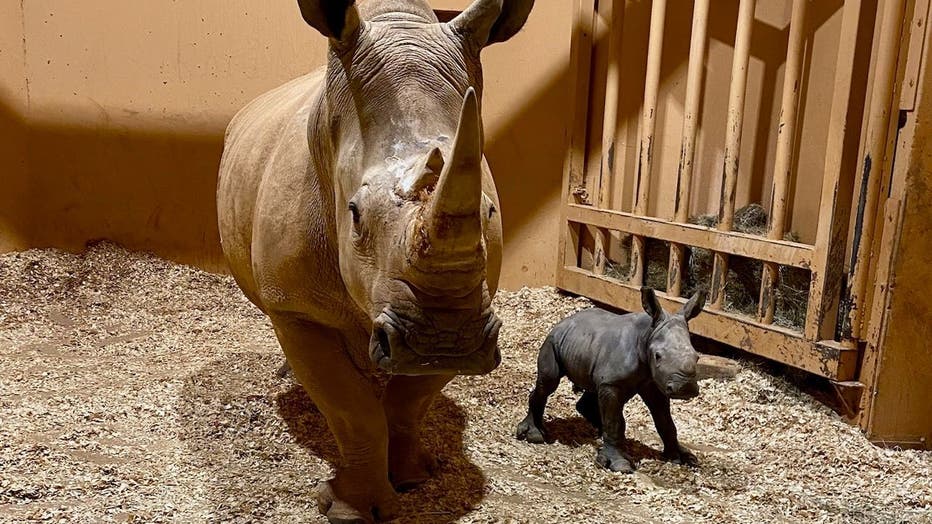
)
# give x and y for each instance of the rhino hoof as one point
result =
(341, 512)
(528, 431)
(683, 457)
(613, 460)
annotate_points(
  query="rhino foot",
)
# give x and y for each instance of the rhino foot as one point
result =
(682, 456)
(410, 466)
(529, 431)
(611, 458)
(341, 511)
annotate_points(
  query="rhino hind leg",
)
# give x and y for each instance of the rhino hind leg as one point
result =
(531, 428)
(588, 407)
(360, 490)
(406, 402)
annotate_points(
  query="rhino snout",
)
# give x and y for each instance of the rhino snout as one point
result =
(402, 347)
(682, 388)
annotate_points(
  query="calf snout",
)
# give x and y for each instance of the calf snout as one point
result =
(682, 387)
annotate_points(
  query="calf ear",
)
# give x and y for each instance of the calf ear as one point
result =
(335, 19)
(491, 21)
(694, 306)
(650, 304)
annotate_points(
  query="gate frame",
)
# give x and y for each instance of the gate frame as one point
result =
(584, 189)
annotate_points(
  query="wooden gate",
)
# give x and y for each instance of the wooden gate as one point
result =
(615, 237)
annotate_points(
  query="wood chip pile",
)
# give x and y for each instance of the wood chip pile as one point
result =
(136, 390)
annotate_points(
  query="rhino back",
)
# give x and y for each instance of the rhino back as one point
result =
(595, 347)
(276, 228)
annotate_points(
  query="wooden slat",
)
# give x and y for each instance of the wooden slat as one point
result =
(730, 242)
(828, 360)
(837, 184)
(783, 165)
(575, 160)
(648, 121)
(684, 172)
(874, 161)
(612, 14)
(739, 78)
(914, 56)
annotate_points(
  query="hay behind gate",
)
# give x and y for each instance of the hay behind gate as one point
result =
(742, 287)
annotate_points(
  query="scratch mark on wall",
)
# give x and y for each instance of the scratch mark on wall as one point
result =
(22, 19)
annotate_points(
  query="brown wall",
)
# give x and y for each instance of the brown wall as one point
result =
(13, 102)
(127, 103)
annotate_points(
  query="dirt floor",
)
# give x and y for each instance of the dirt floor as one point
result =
(136, 390)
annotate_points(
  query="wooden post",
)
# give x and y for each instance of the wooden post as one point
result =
(646, 146)
(611, 11)
(837, 182)
(873, 163)
(575, 161)
(684, 173)
(739, 80)
(782, 169)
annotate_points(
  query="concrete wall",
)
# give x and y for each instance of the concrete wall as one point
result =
(127, 103)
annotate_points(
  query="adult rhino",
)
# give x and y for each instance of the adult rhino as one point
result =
(357, 211)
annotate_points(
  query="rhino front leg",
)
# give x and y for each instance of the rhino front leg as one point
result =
(613, 453)
(360, 490)
(406, 401)
(659, 406)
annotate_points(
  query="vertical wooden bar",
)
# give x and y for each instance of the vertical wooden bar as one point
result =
(684, 173)
(739, 80)
(874, 161)
(575, 161)
(786, 135)
(837, 181)
(646, 146)
(611, 11)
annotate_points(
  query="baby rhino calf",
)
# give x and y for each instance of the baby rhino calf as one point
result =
(610, 358)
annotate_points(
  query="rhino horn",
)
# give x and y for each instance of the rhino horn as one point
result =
(452, 227)
(459, 190)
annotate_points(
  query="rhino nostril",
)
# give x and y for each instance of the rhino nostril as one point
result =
(383, 342)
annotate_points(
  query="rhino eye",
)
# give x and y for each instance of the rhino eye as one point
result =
(657, 356)
(354, 210)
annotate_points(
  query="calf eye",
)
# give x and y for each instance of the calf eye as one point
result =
(354, 209)
(657, 356)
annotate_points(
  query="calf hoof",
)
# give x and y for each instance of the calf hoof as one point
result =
(613, 460)
(529, 431)
(340, 511)
(682, 457)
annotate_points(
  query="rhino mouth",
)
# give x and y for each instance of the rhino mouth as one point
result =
(403, 346)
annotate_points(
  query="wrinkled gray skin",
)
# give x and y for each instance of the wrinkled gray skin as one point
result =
(611, 358)
(356, 209)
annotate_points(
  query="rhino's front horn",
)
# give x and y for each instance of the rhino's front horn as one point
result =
(459, 190)
(451, 231)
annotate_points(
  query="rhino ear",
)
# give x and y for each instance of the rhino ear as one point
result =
(650, 304)
(492, 21)
(693, 306)
(335, 19)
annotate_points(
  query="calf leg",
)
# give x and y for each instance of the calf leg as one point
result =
(588, 407)
(659, 406)
(359, 491)
(613, 453)
(548, 378)
(406, 401)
